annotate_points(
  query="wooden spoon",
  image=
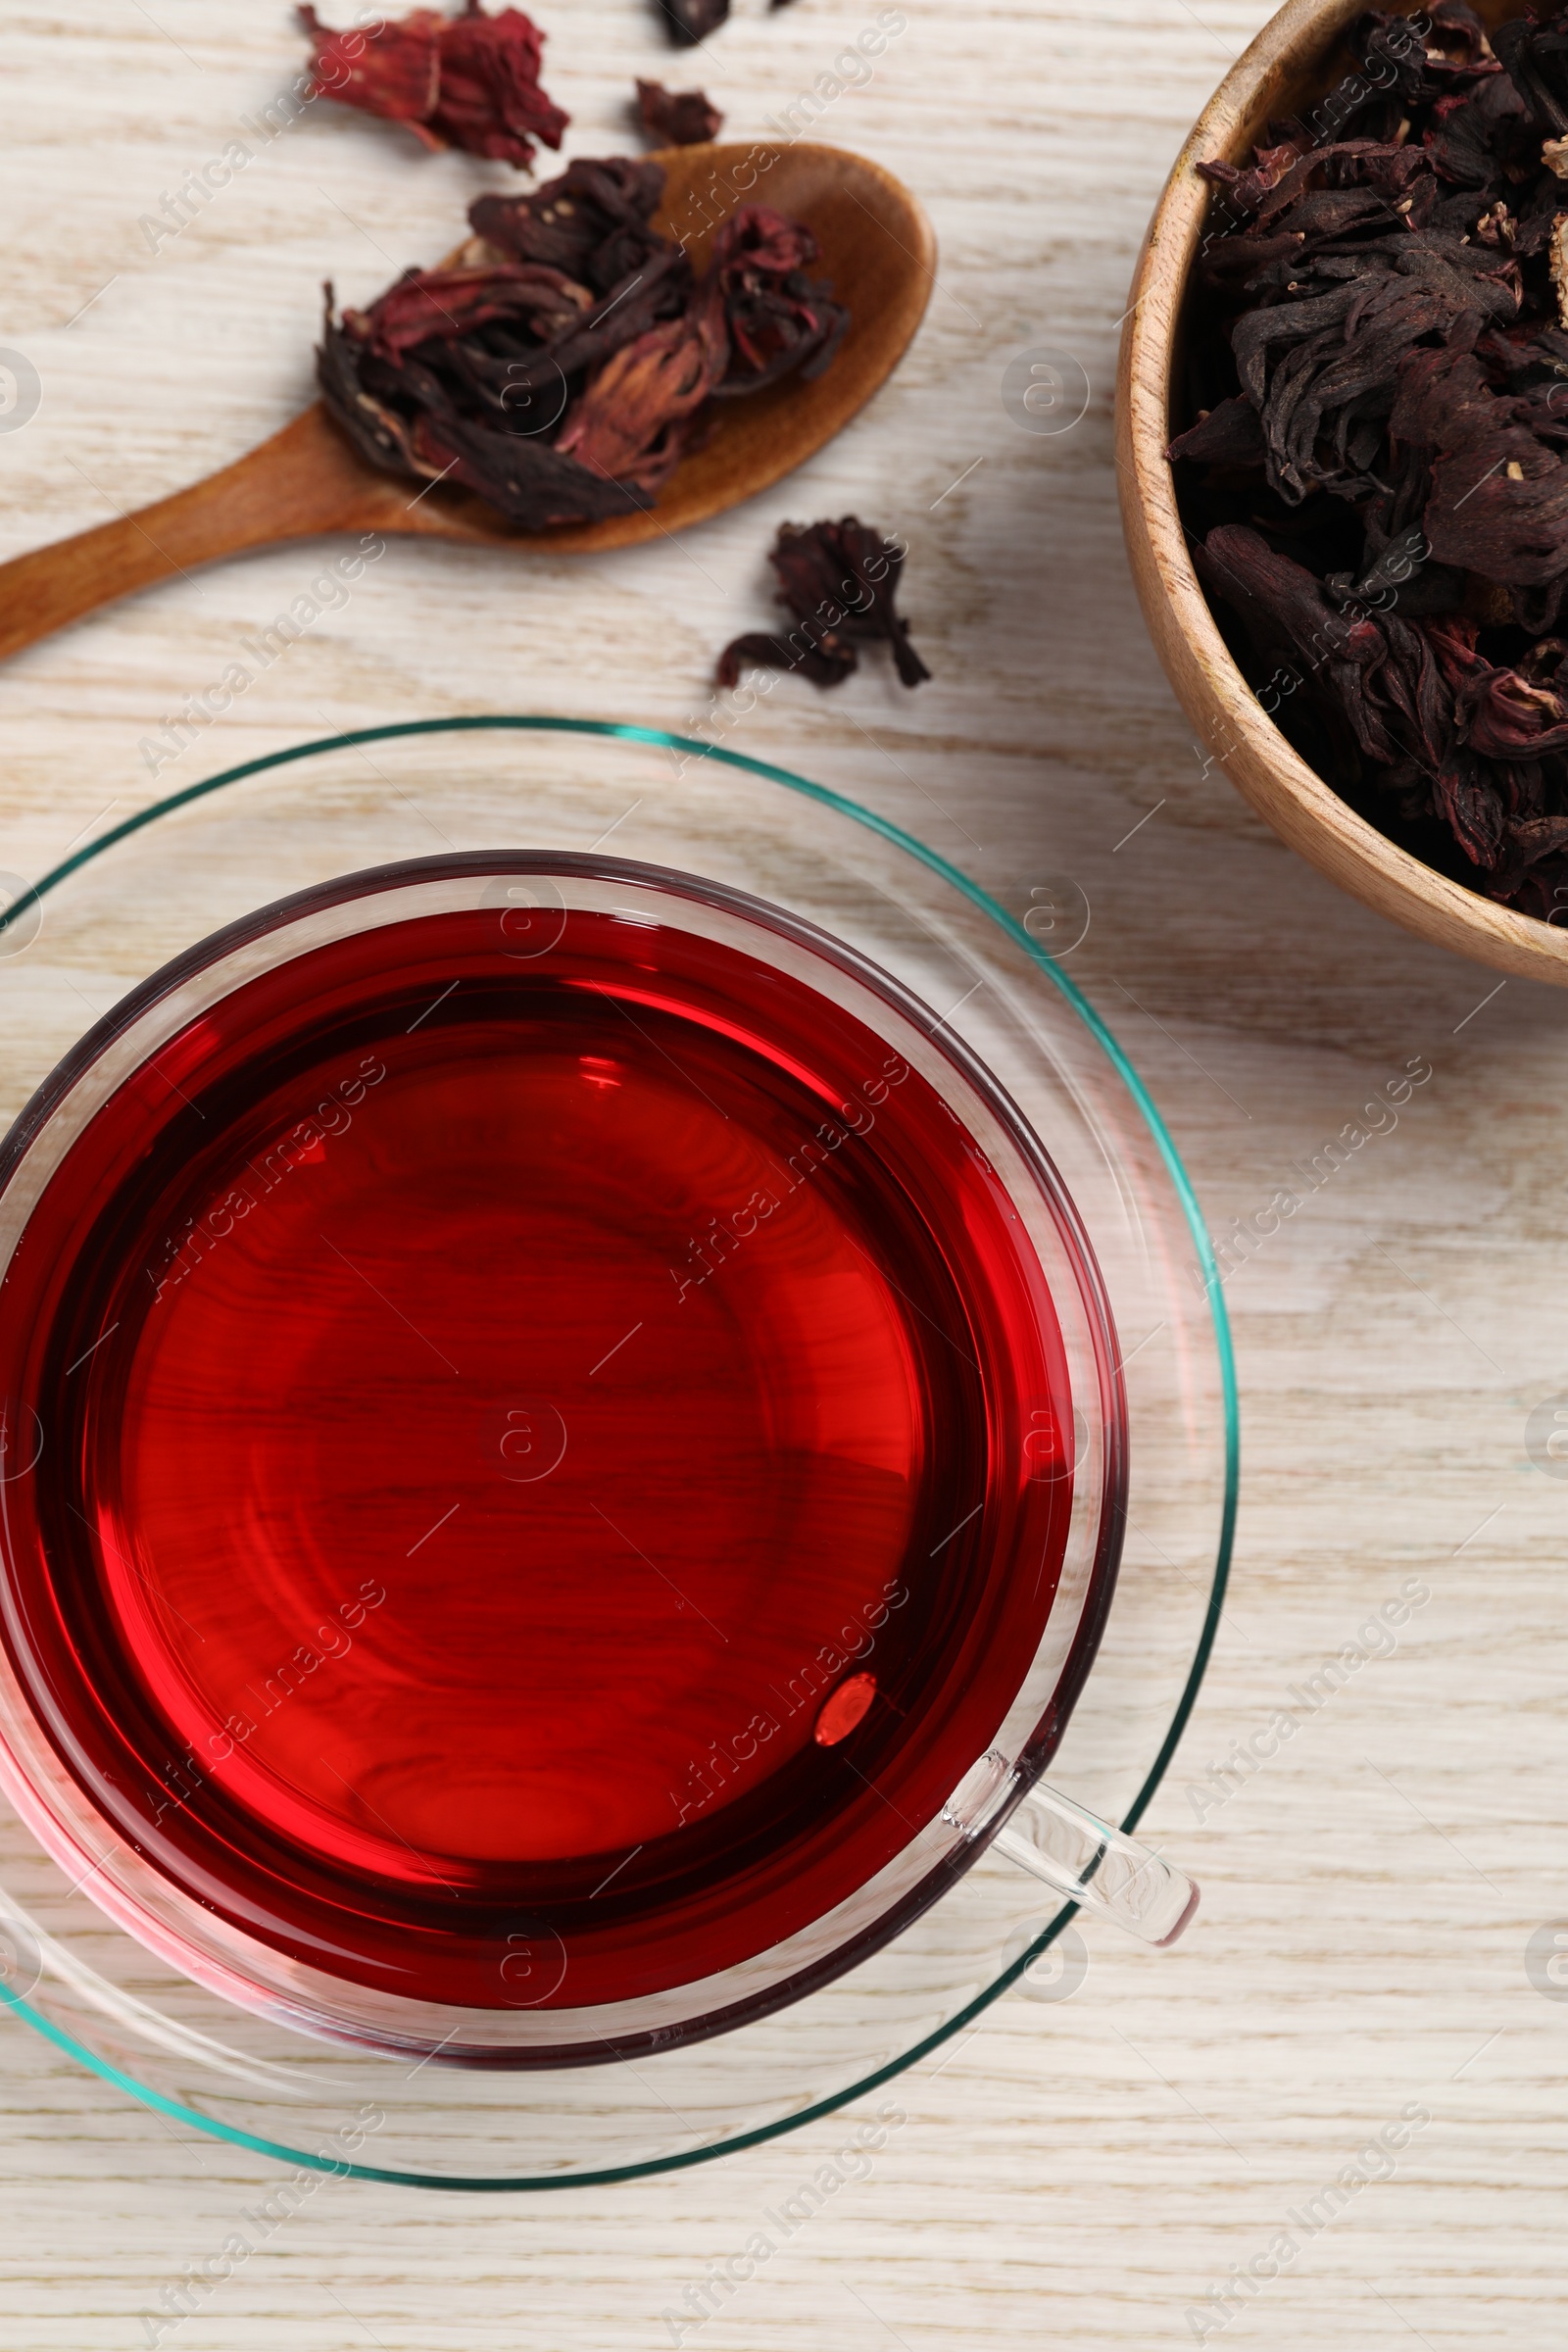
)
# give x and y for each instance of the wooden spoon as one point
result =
(878, 248)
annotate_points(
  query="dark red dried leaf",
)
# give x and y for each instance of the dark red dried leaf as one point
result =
(1374, 472)
(1499, 499)
(436, 304)
(633, 422)
(1246, 191)
(1469, 804)
(779, 319)
(393, 71)
(567, 321)
(1228, 434)
(469, 81)
(490, 101)
(1507, 718)
(1534, 57)
(594, 222)
(826, 660)
(525, 477)
(677, 118)
(692, 20)
(840, 581)
(404, 421)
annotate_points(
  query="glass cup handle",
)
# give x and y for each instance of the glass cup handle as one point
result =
(1082, 1858)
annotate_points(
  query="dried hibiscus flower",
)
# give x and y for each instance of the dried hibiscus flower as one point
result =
(469, 81)
(563, 362)
(389, 70)
(677, 118)
(634, 422)
(779, 319)
(840, 581)
(1374, 469)
(692, 20)
(594, 222)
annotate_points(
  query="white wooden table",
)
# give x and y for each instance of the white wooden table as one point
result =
(1080, 2173)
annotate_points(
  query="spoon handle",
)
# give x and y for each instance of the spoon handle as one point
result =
(302, 482)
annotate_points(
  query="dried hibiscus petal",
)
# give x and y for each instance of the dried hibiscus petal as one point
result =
(692, 20)
(1534, 57)
(633, 422)
(402, 419)
(391, 70)
(1230, 433)
(1374, 467)
(469, 81)
(677, 118)
(594, 222)
(523, 476)
(840, 581)
(490, 102)
(428, 302)
(825, 660)
(779, 319)
(567, 321)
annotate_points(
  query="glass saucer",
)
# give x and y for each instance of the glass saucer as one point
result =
(125, 904)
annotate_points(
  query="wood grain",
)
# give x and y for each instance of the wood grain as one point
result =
(1083, 2172)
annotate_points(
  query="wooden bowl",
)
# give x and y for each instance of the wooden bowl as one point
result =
(1287, 70)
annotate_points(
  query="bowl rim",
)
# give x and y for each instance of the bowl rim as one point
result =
(1237, 734)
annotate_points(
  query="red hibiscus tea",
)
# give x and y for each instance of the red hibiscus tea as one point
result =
(530, 1431)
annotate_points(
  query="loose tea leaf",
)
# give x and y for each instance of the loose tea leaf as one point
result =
(594, 222)
(564, 363)
(469, 81)
(393, 69)
(405, 418)
(779, 319)
(677, 118)
(1373, 471)
(635, 421)
(692, 20)
(489, 101)
(840, 581)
